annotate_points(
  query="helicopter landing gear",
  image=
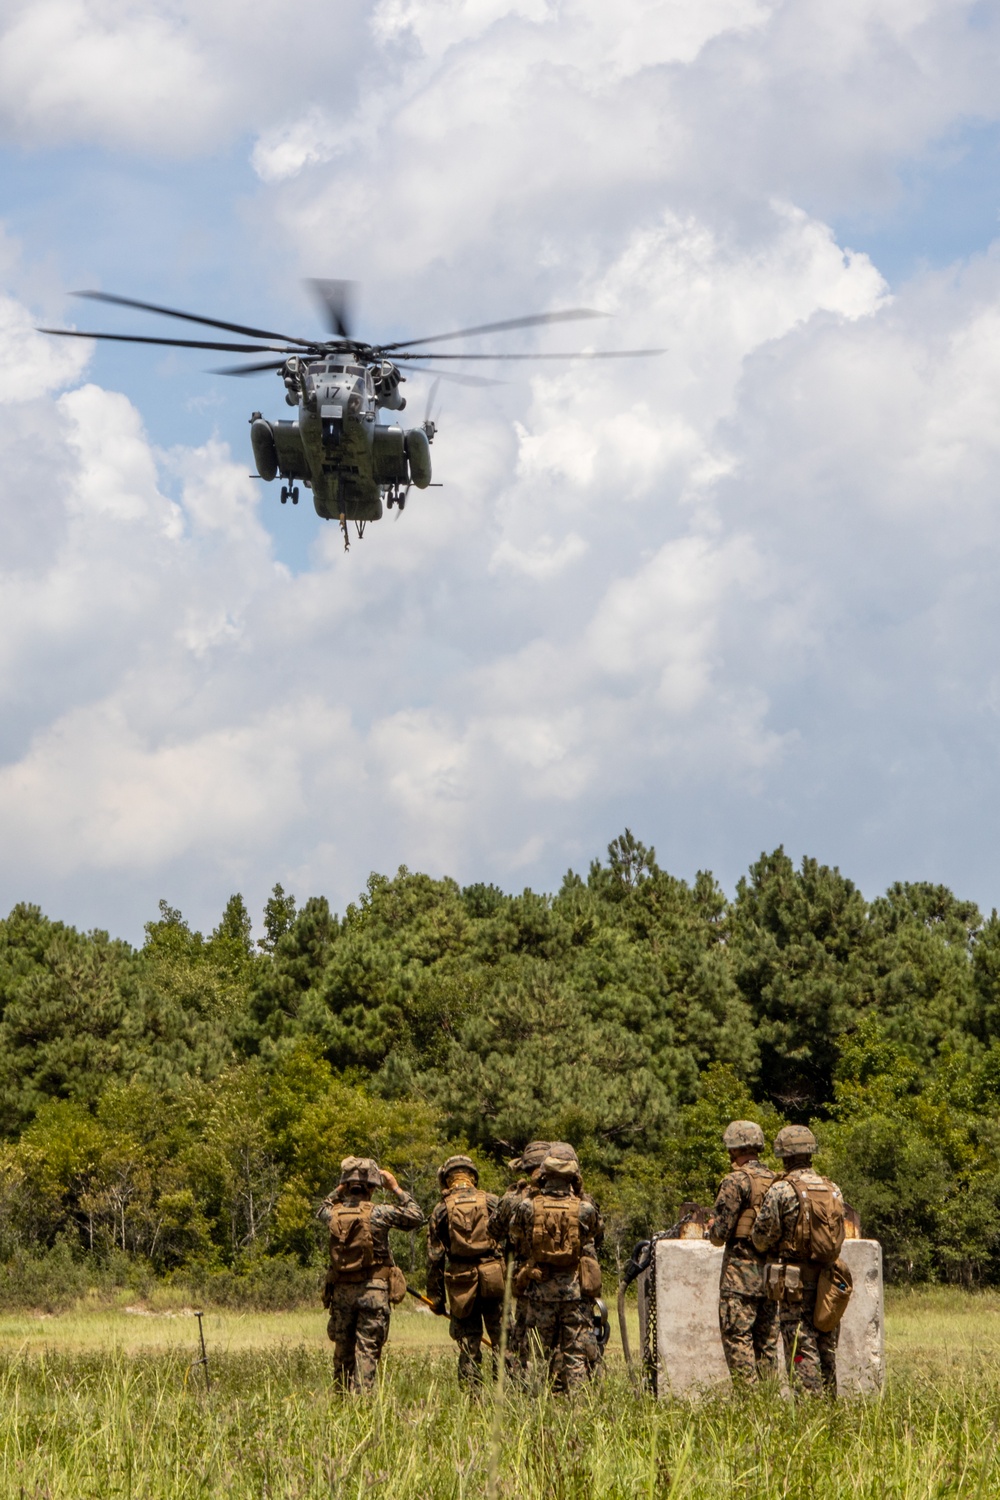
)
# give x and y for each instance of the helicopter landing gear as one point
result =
(289, 494)
(284, 495)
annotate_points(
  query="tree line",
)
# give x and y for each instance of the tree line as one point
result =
(185, 1103)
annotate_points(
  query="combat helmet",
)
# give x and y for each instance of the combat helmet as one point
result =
(559, 1166)
(743, 1135)
(795, 1140)
(531, 1157)
(360, 1171)
(452, 1165)
(564, 1152)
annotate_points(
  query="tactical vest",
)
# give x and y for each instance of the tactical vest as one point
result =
(555, 1232)
(818, 1234)
(760, 1180)
(352, 1248)
(468, 1223)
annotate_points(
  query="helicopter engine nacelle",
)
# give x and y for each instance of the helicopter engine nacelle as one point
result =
(265, 454)
(418, 453)
(387, 382)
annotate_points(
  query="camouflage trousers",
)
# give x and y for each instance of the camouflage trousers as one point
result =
(749, 1328)
(359, 1323)
(810, 1356)
(563, 1334)
(483, 1316)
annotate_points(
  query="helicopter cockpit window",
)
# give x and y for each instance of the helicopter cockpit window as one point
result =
(355, 370)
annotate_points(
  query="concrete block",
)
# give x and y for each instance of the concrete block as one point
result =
(689, 1348)
(861, 1350)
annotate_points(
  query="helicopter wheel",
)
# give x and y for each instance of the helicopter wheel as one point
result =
(284, 495)
(295, 495)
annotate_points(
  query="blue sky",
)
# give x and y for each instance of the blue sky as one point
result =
(740, 596)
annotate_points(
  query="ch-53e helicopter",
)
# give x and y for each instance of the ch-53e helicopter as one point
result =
(338, 448)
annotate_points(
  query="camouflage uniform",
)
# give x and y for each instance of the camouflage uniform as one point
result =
(486, 1313)
(558, 1319)
(810, 1356)
(359, 1311)
(500, 1231)
(748, 1321)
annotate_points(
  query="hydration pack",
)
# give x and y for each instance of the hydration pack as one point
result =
(352, 1249)
(819, 1229)
(468, 1223)
(555, 1233)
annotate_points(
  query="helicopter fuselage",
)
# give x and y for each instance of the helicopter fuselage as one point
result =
(338, 447)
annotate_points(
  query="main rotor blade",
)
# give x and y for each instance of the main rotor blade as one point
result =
(335, 297)
(172, 312)
(535, 320)
(271, 364)
(137, 338)
(578, 354)
(453, 375)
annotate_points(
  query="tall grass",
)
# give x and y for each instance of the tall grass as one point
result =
(107, 1422)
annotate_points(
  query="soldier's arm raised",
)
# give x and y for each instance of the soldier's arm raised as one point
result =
(407, 1214)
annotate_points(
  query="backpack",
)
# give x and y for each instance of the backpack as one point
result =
(468, 1220)
(352, 1249)
(819, 1230)
(760, 1181)
(555, 1232)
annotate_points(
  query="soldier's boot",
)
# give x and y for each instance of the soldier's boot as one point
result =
(470, 1362)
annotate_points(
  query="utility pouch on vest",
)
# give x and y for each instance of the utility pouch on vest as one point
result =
(491, 1280)
(833, 1292)
(462, 1286)
(396, 1282)
(782, 1283)
(555, 1232)
(590, 1277)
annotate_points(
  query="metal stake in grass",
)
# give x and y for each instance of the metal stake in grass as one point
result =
(203, 1361)
(498, 1389)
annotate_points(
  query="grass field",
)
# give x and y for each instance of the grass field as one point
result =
(101, 1403)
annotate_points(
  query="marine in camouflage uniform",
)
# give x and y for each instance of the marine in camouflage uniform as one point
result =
(748, 1320)
(528, 1164)
(810, 1356)
(359, 1309)
(561, 1150)
(559, 1320)
(485, 1313)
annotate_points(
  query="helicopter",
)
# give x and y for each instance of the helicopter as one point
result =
(338, 448)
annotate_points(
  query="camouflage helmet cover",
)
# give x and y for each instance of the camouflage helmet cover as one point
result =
(531, 1157)
(454, 1164)
(564, 1151)
(741, 1135)
(795, 1140)
(561, 1166)
(362, 1170)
